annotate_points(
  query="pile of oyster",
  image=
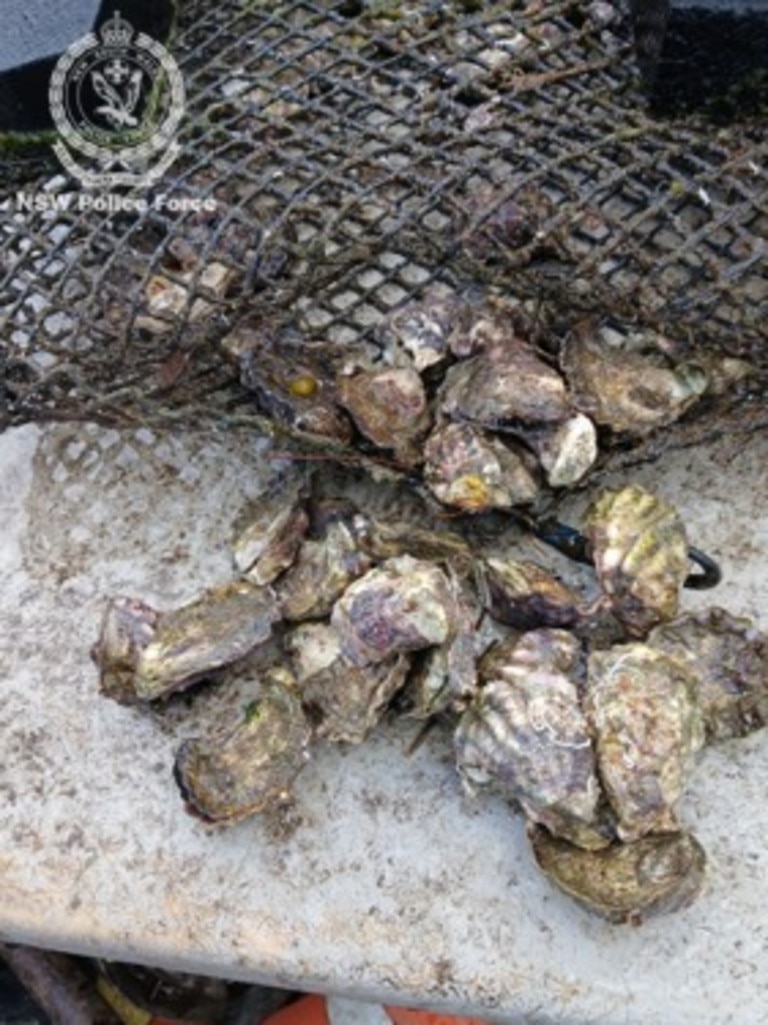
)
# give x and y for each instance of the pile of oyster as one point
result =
(473, 398)
(586, 709)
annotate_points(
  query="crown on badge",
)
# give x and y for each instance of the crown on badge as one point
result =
(116, 31)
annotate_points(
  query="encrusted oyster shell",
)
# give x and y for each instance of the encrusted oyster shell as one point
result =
(389, 407)
(189, 643)
(403, 605)
(381, 539)
(127, 628)
(627, 388)
(640, 552)
(526, 735)
(625, 882)
(293, 381)
(322, 571)
(644, 714)
(506, 384)
(474, 472)
(729, 657)
(566, 451)
(423, 330)
(445, 677)
(270, 541)
(251, 768)
(526, 596)
(344, 701)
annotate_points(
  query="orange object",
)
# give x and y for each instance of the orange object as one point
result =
(307, 1011)
(404, 1016)
(312, 1011)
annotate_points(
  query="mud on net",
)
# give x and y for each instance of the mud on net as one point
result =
(361, 155)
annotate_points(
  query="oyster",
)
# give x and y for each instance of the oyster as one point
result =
(526, 734)
(148, 655)
(403, 605)
(523, 595)
(508, 227)
(423, 330)
(445, 677)
(382, 539)
(322, 571)
(345, 700)
(171, 298)
(251, 768)
(644, 713)
(625, 882)
(269, 543)
(389, 407)
(504, 385)
(627, 388)
(474, 472)
(126, 629)
(729, 657)
(492, 326)
(294, 383)
(566, 451)
(640, 553)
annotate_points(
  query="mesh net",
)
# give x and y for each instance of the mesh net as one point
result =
(359, 154)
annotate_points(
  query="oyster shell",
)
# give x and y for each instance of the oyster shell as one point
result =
(251, 768)
(445, 677)
(567, 451)
(640, 553)
(492, 326)
(474, 472)
(729, 657)
(148, 655)
(423, 330)
(386, 540)
(293, 383)
(269, 543)
(512, 229)
(345, 700)
(526, 734)
(169, 299)
(645, 716)
(389, 407)
(321, 573)
(506, 384)
(628, 390)
(526, 596)
(403, 605)
(625, 882)
(127, 628)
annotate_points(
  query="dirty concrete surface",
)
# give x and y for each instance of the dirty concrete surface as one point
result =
(385, 882)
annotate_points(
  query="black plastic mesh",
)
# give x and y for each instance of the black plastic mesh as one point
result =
(359, 152)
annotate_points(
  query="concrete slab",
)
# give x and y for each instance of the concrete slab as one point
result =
(386, 883)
